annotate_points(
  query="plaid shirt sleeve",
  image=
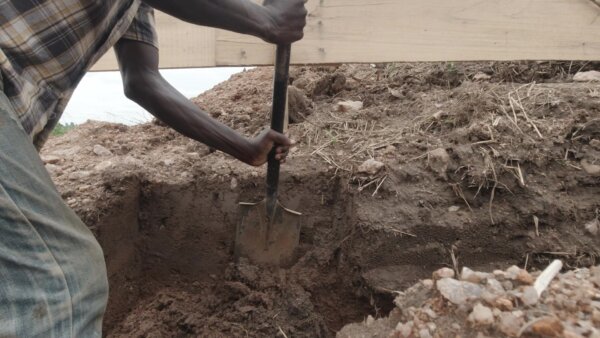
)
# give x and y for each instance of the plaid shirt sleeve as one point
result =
(142, 27)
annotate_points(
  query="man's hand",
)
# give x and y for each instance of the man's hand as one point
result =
(286, 19)
(262, 145)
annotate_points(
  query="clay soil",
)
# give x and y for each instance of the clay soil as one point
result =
(483, 165)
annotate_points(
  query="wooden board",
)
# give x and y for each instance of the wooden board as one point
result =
(345, 31)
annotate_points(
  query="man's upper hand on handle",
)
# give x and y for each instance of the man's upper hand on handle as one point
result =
(285, 20)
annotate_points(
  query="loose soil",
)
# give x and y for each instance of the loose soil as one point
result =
(472, 164)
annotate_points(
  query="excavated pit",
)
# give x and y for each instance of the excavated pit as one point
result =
(169, 255)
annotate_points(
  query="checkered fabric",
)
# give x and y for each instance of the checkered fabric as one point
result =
(46, 46)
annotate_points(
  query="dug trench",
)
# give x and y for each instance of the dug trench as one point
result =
(169, 253)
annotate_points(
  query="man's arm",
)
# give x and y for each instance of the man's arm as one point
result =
(276, 21)
(138, 63)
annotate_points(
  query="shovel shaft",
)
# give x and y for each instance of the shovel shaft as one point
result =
(280, 83)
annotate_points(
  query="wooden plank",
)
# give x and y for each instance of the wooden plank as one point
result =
(433, 30)
(346, 31)
(182, 45)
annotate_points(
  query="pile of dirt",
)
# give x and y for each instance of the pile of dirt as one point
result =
(499, 304)
(400, 169)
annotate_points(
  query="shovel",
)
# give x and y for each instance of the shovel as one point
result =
(267, 232)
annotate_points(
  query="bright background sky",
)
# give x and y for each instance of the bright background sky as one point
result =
(99, 95)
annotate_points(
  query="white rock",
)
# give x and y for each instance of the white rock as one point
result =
(101, 151)
(53, 169)
(458, 292)
(529, 296)
(481, 315)
(593, 227)
(588, 76)
(443, 273)
(405, 329)
(590, 168)
(370, 320)
(51, 159)
(370, 167)
(103, 165)
(513, 272)
(472, 276)
(454, 208)
(424, 333)
(78, 175)
(233, 184)
(481, 76)
(347, 106)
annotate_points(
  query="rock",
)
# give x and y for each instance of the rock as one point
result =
(101, 151)
(103, 165)
(405, 329)
(529, 296)
(54, 170)
(509, 324)
(78, 175)
(348, 106)
(481, 315)
(512, 272)
(548, 327)
(454, 208)
(428, 283)
(458, 292)
(481, 76)
(589, 76)
(593, 227)
(596, 316)
(472, 276)
(370, 320)
(298, 105)
(424, 333)
(443, 273)
(571, 334)
(370, 167)
(438, 160)
(494, 286)
(507, 285)
(51, 159)
(233, 184)
(524, 277)
(590, 168)
(503, 304)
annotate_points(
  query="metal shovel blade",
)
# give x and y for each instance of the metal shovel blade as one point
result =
(267, 238)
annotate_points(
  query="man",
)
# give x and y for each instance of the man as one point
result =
(52, 271)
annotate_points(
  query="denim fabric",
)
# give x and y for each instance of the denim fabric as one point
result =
(52, 272)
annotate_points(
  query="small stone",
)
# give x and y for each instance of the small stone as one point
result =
(590, 168)
(454, 208)
(589, 76)
(348, 106)
(101, 151)
(529, 296)
(471, 276)
(103, 165)
(405, 329)
(370, 167)
(513, 272)
(370, 320)
(593, 227)
(50, 159)
(503, 304)
(481, 315)
(443, 273)
(428, 283)
(524, 277)
(233, 184)
(499, 275)
(548, 327)
(168, 162)
(494, 286)
(424, 333)
(509, 324)
(78, 175)
(596, 316)
(458, 292)
(481, 76)
(438, 160)
(507, 285)
(53, 169)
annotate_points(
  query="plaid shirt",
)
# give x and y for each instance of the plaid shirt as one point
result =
(46, 46)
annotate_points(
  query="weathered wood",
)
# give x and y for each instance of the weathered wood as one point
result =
(340, 31)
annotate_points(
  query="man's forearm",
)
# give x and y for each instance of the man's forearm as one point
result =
(162, 100)
(241, 16)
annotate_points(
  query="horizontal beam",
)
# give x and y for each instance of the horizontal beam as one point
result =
(360, 31)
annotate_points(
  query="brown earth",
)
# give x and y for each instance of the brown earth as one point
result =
(472, 164)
